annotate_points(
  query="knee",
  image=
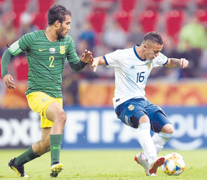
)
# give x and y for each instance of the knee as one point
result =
(168, 129)
(62, 117)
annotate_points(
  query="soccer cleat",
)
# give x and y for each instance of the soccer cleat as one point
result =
(18, 169)
(144, 163)
(157, 162)
(56, 169)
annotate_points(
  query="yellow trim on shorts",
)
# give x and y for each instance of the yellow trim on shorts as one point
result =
(39, 102)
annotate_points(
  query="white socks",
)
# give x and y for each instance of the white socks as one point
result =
(145, 141)
(160, 139)
(151, 145)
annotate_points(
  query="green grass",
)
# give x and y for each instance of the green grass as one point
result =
(103, 165)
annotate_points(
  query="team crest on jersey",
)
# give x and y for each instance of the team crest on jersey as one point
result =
(131, 107)
(149, 65)
(62, 49)
(52, 50)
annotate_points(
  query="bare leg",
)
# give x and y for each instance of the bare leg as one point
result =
(42, 146)
(56, 114)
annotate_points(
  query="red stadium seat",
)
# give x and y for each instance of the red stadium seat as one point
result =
(1, 3)
(124, 19)
(21, 68)
(173, 21)
(45, 5)
(148, 19)
(201, 15)
(19, 6)
(179, 4)
(16, 20)
(97, 20)
(40, 20)
(201, 3)
(127, 5)
(154, 5)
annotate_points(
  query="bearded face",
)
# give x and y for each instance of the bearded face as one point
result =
(60, 33)
(64, 28)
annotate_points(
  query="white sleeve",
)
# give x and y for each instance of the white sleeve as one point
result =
(112, 59)
(160, 60)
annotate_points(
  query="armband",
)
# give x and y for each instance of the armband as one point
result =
(14, 49)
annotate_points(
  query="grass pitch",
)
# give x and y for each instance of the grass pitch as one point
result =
(103, 165)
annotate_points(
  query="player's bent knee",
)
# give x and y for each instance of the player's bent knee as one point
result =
(168, 129)
(62, 117)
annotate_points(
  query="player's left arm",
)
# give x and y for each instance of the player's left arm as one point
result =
(77, 64)
(173, 62)
(86, 57)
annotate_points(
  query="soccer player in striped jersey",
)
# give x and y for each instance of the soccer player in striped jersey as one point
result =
(46, 51)
(132, 69)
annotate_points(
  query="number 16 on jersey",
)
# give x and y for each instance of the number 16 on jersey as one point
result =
(140, 77)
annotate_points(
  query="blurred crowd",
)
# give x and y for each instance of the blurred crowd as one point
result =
(112, 25)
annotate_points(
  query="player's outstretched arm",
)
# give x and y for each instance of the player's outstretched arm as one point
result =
(78, 64)
(96, 62)
(173, 62)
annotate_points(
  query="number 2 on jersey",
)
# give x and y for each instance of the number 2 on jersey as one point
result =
(51, 58)
(140, 77)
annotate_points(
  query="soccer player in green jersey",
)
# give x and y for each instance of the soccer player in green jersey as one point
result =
(46, 51)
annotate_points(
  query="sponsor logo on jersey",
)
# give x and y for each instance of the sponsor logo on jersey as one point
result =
(62, 49)
(44, 99)
(132, 67)
(42, 50)
(52, 50)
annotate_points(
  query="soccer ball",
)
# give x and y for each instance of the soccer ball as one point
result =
(174, 164)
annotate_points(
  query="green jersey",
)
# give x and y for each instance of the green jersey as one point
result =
(46, 61)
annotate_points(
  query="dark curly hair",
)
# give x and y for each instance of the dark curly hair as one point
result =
(57, 12)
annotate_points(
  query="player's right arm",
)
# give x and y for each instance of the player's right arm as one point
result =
(16, 48)
(12, 51)
(96, 62)
(110, 60)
